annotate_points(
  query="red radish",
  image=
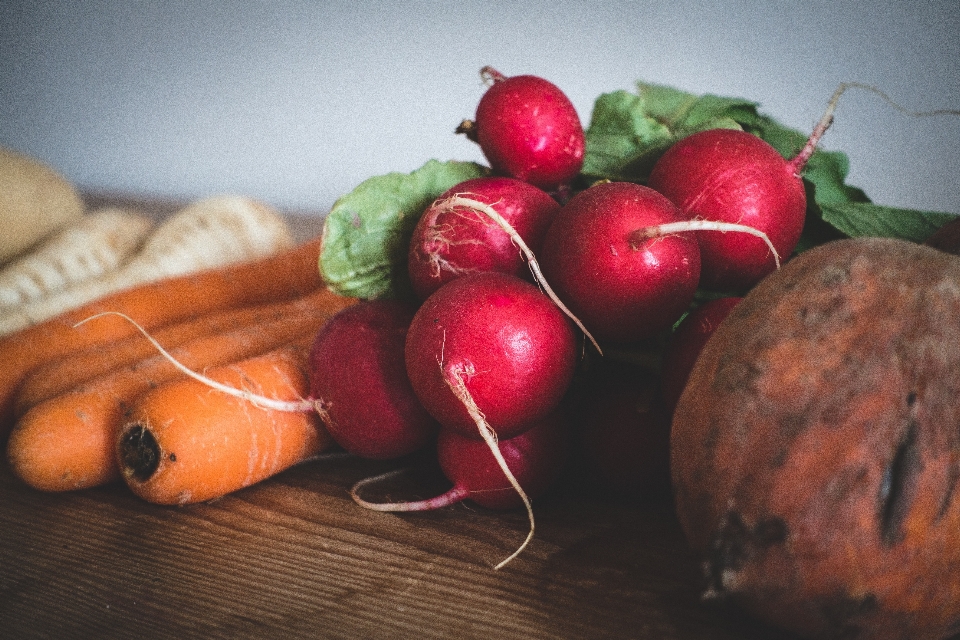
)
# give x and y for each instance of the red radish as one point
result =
(499, 340)
(528, 129)
(687, 342)
(534, 459)
(621, 288)
(732, 176)
(359, 382)
(626, 432)
(453, 237)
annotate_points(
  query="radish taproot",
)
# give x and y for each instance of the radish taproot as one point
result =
(359, 383)
(454, 237)
(498, 339)
(523, 467)
(528, 129)
(622, 289)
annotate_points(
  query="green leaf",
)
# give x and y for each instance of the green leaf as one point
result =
(856, 219)
(620, 136)
(367, 232)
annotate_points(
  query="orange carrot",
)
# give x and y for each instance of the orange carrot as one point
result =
(62, 374)
(282, 276)
(187, 442)
(66, 442)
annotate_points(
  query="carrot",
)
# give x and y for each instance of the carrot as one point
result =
(187, 442)
(66, 442)
(279, 277)
(62, 374)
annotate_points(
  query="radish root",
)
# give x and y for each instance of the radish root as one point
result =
(299, 406)
(455, 495)
(454, 379)
(668, 228)
(459, 200)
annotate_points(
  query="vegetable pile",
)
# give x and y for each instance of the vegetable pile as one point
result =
(553, 304)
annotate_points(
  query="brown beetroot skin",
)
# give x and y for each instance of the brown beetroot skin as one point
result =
(816, 447)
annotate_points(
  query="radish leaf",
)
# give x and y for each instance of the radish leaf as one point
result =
(366, 233)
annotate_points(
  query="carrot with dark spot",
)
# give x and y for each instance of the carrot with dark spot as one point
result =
(187, 442)
(66, 442)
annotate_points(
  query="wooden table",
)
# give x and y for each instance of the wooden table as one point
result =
(295, 557)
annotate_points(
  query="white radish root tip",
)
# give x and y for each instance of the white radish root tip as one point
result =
(301, 406)
(668, 228)
(459, 200)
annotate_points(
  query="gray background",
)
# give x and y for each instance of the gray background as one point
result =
(296, 102)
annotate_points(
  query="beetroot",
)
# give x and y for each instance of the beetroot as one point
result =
(453, 238)
(359, 382)
(622, 289)
(528, 129)
(815, 450)
(498, 339)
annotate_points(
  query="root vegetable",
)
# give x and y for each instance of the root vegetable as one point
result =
(528, 129)
(502, 341)
(359, 382)
(35, 201)
(94, 245)
(453, 238)
(209, 233)
(815, 450)
(186, 443)
(685, 346)
(278, 277)
(622, 288)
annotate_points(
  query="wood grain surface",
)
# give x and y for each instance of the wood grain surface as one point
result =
(295, 557)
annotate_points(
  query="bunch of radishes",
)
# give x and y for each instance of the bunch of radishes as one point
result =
(512, 269)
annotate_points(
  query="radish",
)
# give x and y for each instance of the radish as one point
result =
(686, 343)
(534, 458)
(454, 237)
(733, 176)
(494, 344)
(528, 129)
(359, 382)
(624, 289)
